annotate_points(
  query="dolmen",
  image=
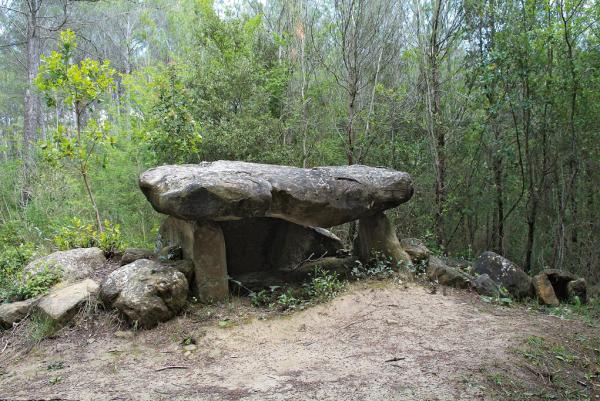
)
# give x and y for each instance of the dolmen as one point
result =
(231, 217)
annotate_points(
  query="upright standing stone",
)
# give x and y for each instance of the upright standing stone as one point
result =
(202, 243)
(377, 235)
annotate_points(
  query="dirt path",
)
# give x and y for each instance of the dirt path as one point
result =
(335, 351)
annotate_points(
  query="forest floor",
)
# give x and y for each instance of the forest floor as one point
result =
(377, 341)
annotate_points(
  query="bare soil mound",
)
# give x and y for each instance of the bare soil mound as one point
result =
(379, 341)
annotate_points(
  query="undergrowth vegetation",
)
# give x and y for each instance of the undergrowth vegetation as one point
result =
(551, 369)
(321, 286)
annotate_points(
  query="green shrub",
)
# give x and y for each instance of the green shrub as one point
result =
(81, 235)
(323, 285)
(19, 288)
(379, 267)
(261, 298)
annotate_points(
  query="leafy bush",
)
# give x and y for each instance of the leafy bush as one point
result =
(262, 297)
(323, 285)
(33, 285)
(81, 235)
(12, 285)
(379, 267)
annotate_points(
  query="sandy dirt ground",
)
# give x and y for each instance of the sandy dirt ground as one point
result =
(383, 342)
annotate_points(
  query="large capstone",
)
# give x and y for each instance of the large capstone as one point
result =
(231, 190)
(239, 220)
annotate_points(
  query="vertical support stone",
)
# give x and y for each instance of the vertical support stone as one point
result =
(204, 244)
(376, 234)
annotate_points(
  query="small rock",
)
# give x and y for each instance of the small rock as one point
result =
(61, 304)
(14, 312)
(187, 354)
(124, 334)
(132, 254)
(485, 286)
(438, 271)
(190, 347)
(416, 249)
(577, 288)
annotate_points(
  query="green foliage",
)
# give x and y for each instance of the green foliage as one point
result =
(323, 285)
(12, 260)
(77, 86)
(32, 285)
(62, 80)
(379, 267)
(173, 134)
(262, 297)
(41, 327)
(82, 235)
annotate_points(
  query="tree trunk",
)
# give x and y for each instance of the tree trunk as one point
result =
(32, 106)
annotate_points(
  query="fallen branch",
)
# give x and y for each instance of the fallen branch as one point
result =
(171, 367)
(396, 359)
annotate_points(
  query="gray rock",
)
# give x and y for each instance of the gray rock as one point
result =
(438, 271)
(203, 244)
(485, 286)
(146, 292)
(230, 190)
(377, 235)
(132, 254)
(75, 264)
(577, 288)
(14, 312)
(505, 273)
(416, 249)
(62, 303)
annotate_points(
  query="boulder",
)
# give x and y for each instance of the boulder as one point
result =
(559, 279)
(505, 273)
(231, 190)
(577, 288)
(146, 292)
(14, 312)
(132, 254)
(485, 286)
(376, 235)
(202, 243)
(416, 249)
(75, 264)
(62, 303)
(265, 243)
(544, 290)
(438, 271)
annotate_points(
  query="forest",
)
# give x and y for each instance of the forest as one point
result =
(491, 106)
(169, 171)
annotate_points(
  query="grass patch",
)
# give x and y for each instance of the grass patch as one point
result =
(566, 369)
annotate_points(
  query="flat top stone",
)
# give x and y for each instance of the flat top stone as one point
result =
(231, 190)
(63, 300)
